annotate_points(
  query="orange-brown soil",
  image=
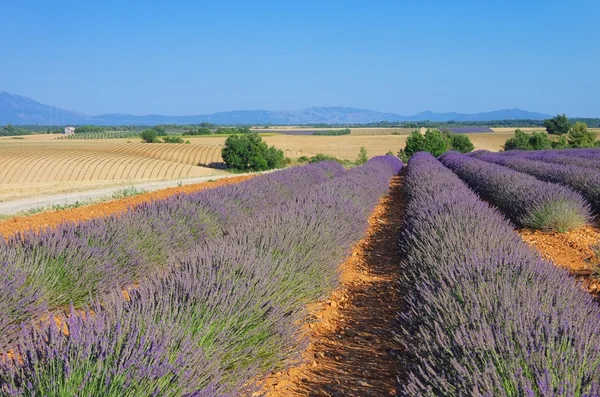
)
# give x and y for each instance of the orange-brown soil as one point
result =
(352, 350)
(572, 251)
(44, 220)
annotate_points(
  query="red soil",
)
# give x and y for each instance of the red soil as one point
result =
(50, 219)
(572, 251)
(352, 348)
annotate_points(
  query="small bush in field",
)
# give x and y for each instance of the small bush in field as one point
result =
(362, 156)
(172, 139)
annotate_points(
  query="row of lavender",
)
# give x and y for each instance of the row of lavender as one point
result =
(486, 316)
(580, 157)
(578, 169)
(528, 201)
(70, 264)
(226, 312)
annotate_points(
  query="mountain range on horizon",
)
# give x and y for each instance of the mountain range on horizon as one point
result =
(17, 109)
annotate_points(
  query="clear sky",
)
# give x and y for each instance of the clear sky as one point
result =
(197, 57)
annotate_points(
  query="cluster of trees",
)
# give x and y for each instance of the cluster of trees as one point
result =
(248, 152)
(570, 135)
(435, 142)
(152, 135)
(89, 129)
(11, 130)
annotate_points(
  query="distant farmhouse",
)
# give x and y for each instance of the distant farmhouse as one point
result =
(69, 131)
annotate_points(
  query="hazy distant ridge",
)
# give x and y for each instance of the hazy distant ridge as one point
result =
(17, 109)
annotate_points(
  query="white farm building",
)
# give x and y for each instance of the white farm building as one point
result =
(69, 131)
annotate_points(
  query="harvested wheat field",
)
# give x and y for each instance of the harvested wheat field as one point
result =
(347, 146)
(60, 161)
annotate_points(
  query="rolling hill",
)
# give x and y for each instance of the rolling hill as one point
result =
(17, 109)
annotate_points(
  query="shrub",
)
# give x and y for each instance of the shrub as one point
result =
(561, 143)
(323, 157)
(172, 139)
(362, 156)
(303, 159)
(249, 152)
(524, 141)
(149, 136)
(581, 137)
(461, 143)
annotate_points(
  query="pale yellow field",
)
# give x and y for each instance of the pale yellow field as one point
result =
(33, 162)
(347, 146)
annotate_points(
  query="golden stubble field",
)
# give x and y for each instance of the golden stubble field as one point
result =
(38, 165)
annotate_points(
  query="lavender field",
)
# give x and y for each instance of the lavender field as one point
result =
(205, 294)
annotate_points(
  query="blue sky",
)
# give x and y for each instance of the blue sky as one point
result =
(196, 57)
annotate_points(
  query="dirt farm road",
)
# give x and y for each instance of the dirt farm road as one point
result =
(23, 205)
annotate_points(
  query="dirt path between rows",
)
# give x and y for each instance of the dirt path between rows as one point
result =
(352, 350)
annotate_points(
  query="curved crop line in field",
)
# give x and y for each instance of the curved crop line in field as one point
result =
(77, 161)
(118, 165)
(203, 156)
(16, 166)
(132, 165)
(87, 170)
(11, 168)
(36, 165)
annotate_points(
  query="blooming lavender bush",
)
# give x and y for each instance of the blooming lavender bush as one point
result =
(220, 315)
(70, 263)
(587, 158)
(526, 200)
(584, 180)
(484, 315)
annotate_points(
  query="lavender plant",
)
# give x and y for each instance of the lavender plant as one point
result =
(484, 315)
(584, 180)
(526, 200)
(577, 157)
(74, 262)
(220, 315)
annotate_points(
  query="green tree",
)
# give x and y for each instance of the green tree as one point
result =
(172, 139)
(520, 141)
(557, 125)
(149, 136)
(249, 152)
(362, 156)
(581, 137)
(461, 143)
(562, 143)
(435, 142)
(539, 141)
(414, 143)
(159, 129)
